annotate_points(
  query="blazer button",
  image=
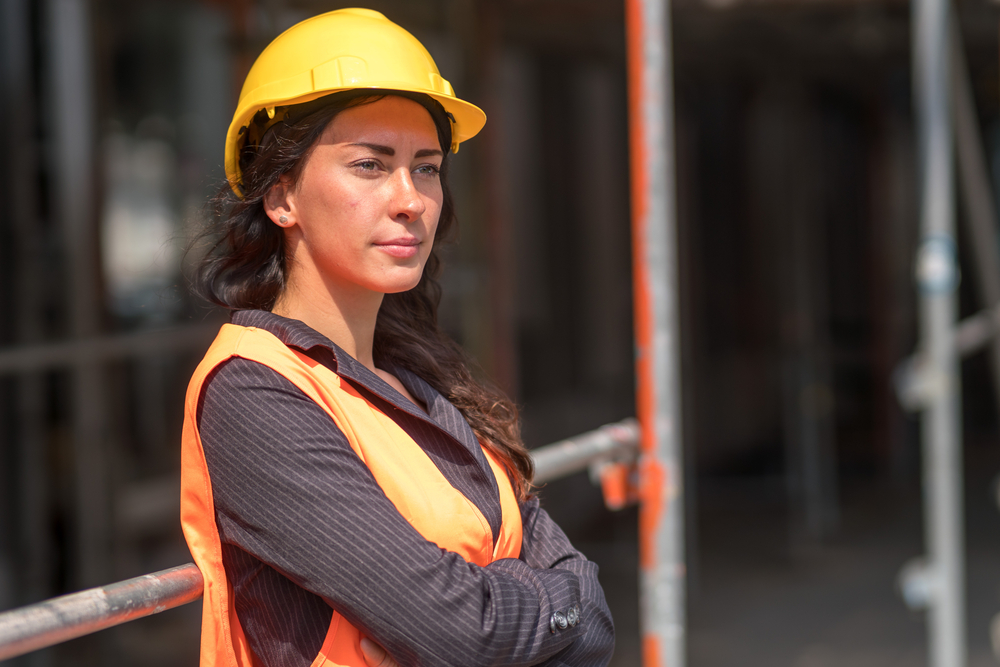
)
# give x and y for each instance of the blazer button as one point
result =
(558, 621)
(573, 615)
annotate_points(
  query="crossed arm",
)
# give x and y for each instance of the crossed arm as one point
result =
(290, 491)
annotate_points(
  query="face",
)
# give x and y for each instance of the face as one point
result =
(362, 214)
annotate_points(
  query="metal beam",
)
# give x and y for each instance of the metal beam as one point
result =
(977, 193)
(31, 493)
(71, 104)
(574, 454)
(71, 616)
(916, 385)
(655, 276)
(499, 249)
(65, 354)
(937, 278)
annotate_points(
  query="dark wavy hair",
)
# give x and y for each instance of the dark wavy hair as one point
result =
(245, 268)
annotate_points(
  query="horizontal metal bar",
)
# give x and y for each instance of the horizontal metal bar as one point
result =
(915, 385)
(70, 616)
(47, 356)
(976, 331)
(576, 454)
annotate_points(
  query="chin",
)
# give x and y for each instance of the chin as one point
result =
(398, 286)
(400, 290)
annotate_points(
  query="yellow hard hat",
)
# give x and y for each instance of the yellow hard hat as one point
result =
(341, 50)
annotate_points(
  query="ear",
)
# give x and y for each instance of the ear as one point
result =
(277, 205)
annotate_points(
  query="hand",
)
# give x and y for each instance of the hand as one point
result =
(375, 655)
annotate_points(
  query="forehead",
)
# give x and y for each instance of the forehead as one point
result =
(392, 118)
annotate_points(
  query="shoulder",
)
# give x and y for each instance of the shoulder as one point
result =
(245, 404)
(247, 384)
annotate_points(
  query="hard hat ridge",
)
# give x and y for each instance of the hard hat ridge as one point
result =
(346, 49)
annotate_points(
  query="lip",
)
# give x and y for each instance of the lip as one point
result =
(402, 247)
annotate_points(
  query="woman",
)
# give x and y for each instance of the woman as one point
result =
(350, 493)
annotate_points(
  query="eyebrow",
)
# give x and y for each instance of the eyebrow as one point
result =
(390, 151)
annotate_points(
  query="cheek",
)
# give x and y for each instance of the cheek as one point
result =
(434, 205)
(432, 225)
(328, 189)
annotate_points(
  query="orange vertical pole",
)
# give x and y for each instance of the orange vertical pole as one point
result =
(661, 515)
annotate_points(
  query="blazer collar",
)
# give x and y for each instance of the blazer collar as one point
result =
(440, 411)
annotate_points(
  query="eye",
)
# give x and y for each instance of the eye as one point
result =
(367, 165)
(428, 170)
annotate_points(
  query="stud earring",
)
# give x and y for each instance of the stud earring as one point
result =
(283, 219)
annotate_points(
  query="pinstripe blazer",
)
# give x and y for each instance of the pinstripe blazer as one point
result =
(256, 425)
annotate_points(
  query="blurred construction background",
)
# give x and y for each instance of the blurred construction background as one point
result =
(797, 229)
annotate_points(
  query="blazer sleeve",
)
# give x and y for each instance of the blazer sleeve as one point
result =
(545, 546)
(292, 492)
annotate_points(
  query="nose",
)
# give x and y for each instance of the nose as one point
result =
(407, 203)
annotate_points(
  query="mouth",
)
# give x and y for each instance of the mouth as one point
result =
(401, 241)
(404, 246)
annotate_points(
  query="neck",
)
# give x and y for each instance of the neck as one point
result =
(347, 319)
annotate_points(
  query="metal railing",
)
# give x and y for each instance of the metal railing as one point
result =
(60, 619)
(572, 455)
(63, 618)
(61, 354)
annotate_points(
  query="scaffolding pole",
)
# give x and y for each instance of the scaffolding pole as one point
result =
(976, 193)
(937, 278)
(72, 153)
(36, 549)
(654, 239)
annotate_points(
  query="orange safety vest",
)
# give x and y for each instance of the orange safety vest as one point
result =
(407, 475)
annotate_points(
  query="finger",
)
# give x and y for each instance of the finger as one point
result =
(375, 655)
